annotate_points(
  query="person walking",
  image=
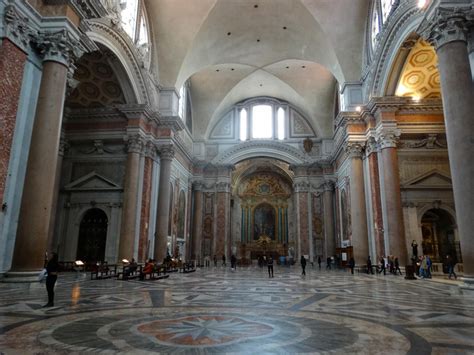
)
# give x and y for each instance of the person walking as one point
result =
(382, 265)
(450, 263)
(352, 265)
(328, 263)
(233, 262)
(319, 262)
(215, 260)
(428, 267)
(52, 267)
(303, 265)
(270, 266)
(369, 266)
(396, 264)
(223, 260)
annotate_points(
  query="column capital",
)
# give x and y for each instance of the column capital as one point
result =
(329, 185)
(150, 150)
(63, 146)
(302, 186)
(198, 185)
(18, 28)
(135, 144)
(354, 149)
(166, 151)
(372, 146)
(447, 25)
(388, 138)
(60, 46)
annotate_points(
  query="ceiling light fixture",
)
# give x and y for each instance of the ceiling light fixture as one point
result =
(229, 33)
(303, 66)
(287, 67)
(258, 39)
(284, 27)
(255, 6)
(217, 70)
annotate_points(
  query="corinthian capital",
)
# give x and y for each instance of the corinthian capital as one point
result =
(59, 47)
(388, 139)
(447, 25)
(354, 149)
(150, 151)
(166, 152)
(136, 144)
(17, 28)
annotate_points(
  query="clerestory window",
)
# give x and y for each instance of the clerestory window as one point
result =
(134, 22)
(381, 10)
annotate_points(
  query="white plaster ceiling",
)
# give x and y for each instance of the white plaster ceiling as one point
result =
(192, 41)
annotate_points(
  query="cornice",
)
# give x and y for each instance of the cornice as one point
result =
(175, 123)
(346, 117)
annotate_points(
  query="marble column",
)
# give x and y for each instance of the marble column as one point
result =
(358, 208)
(448, 33)
(223, 242)
(394, 229)
(37, 200)
(329, 235)
(377, 220)
(163, 212)
(53, 237)
(143, 245)
(302, 218)
(128, 229)
(197, 222)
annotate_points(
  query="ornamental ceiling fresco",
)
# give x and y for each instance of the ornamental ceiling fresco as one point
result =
(420, 76)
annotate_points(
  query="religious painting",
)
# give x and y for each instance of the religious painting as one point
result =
(264, 221)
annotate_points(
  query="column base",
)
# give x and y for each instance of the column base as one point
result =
(467, 287)
(20, 277)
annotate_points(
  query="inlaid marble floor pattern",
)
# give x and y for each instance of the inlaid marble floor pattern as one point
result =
(217, 311)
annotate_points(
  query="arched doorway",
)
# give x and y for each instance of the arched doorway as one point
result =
(437, 227)
(92, 236)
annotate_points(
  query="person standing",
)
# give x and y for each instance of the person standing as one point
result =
(52, 267)
(352, 265)
(270, 266)
(428, 267)
(450, 264)
(414, 248)
(223, 260)
(328, 263)
(215, 260)
(303, 265)
(319, 262)
(233, 262)
(369, 266)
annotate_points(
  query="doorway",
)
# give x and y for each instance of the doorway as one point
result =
(92, 236)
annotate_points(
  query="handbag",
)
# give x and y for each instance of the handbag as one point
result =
(42, 275)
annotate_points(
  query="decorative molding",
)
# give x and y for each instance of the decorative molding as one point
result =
(89, 9)
(388, 138)
(98, 148)
(329, 185)
(447, 25)
(430, 142)
(63, 146)
(372, 146)
(151, 151)
(302, 186)
(18, 28)
(223, 187)
(175, 123)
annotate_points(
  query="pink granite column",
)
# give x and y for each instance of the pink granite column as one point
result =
(328, 201)
(197, 222)
(163, 211)
(394, 230)
(128, 230)
(447, 31)
(358, 211)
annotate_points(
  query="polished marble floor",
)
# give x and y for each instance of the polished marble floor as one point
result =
(218, 311)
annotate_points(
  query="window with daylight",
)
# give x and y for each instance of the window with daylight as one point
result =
(182, 103)
(281, 123)
(262, 122)
(243, 124)
(381, 10)
(134, 22)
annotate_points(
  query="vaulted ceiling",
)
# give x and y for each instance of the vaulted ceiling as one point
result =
(231, 50)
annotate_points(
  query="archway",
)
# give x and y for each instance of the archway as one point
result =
(437, 228)
(92, 236)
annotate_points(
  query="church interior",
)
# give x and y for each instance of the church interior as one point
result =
(214, 139)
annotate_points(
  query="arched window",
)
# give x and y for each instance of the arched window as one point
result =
(182, 103)
(381, 10)
(281, 123)
(134, 22)
(262, 122)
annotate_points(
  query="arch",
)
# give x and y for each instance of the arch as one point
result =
(435, 205)
(404, 21)
(92, 235)
(257, 149)
(128, 56)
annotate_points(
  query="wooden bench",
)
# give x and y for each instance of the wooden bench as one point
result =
(104, 271)
(126, 274)
(158, 273)
(187, 267)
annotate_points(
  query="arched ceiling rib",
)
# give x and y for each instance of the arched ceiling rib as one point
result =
(268, 40)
